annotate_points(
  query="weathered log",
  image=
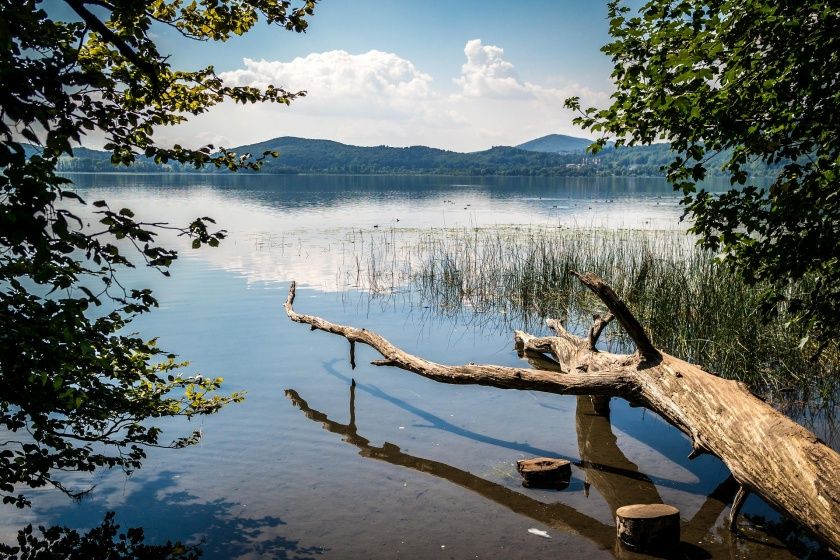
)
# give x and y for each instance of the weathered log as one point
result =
(721, 417)
(648, 527)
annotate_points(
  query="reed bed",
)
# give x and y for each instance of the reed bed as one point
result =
(505, 277)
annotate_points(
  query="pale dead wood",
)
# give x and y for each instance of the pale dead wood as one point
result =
(600, 323)
(618, 308)
(615, 381)
(737, 504)
(764, 450)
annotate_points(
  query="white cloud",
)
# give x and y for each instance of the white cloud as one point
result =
(487, 74)
(378, 98)
(360, 82)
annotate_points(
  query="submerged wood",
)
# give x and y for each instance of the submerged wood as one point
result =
(766, 452)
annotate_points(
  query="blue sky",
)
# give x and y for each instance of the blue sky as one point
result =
(463, 75)
(545, 38)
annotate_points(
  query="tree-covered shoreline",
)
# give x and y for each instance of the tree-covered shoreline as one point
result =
(305, 156)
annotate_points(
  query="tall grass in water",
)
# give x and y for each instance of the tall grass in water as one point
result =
(692, 307)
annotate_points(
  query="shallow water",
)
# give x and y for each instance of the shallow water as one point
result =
(392, 466)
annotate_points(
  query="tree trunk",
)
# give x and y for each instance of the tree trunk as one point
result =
(766, 452)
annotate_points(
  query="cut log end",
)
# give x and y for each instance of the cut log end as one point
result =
(544, 472)
(649, 528)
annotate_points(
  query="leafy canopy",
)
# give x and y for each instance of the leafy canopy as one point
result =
(76, 391)
(754, 80)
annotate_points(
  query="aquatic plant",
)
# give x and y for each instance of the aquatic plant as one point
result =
(503, 277)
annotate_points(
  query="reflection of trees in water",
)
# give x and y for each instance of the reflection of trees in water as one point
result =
(218, 526)
(607, 469)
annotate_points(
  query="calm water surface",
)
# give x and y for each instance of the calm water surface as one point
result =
(313, 465)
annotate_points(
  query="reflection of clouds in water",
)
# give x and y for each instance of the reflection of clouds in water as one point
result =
(333, 240)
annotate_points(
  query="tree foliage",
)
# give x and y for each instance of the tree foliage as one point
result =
(755, 80)
(77, 391)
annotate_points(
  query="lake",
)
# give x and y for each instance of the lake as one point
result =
(322, 461)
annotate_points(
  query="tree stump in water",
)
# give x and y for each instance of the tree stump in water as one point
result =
(648, 527)
(543, 472)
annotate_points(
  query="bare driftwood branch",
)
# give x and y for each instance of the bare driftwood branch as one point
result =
(615, 381)
(619, 309)
(598, 327)
(764, 450)
(737, 504)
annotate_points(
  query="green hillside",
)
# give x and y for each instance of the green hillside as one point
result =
(299, 155)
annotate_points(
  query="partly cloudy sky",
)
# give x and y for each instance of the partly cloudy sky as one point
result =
(463, 77)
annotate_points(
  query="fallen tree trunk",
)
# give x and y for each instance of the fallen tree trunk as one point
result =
(766, 452)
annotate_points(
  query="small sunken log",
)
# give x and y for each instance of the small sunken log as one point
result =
(649, 528)
(544, 472)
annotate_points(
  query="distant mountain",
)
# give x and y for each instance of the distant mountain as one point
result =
(307, 156)
(301, 155)
(557, 144)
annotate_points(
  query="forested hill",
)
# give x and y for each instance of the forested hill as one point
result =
(300, 155)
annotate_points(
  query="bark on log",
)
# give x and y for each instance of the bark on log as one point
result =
(721, 417)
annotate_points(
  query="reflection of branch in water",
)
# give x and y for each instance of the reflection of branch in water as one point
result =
(586, 463)
(439, 423)
(559, 515)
